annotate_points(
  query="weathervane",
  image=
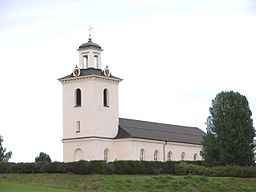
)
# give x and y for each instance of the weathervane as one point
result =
(90, 33)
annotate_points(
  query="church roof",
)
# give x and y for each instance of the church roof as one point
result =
(90, 72)
(129, 128)
(90, 44)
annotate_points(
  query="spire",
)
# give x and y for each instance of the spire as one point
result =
(90, 33)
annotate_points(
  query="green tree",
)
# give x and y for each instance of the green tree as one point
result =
(43, 157)
(4, 156)
(230, 132)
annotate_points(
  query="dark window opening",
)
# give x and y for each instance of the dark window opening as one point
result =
(78, 98)
(105, 98)
(96, 61)
(86, 61)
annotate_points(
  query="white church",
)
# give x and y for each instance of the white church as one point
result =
(92, 129)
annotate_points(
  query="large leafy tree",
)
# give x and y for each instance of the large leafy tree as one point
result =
(230, 132)
(4, 156)
(43, 157)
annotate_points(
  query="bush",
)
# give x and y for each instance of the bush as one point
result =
(169, 166)
(134, 167)
(129, 167)
(99, 167)
(4, 167)
(21, 168)
(79, 167)
(234, 171)
(55, 167)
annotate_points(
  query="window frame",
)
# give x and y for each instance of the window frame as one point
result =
(142, 154)
(169, 156)
(183, 154)
(78, 97)
(78, 126)
(156, 154)
(106, 155)
(96, 61)
(195, 157)
(105, 97)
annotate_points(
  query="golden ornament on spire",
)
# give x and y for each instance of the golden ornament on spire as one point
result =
(90, 33)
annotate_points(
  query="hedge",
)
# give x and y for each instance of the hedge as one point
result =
(130, 167)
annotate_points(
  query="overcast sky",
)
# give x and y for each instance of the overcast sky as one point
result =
(174, 57)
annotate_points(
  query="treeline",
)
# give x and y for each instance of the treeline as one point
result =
(130, 167)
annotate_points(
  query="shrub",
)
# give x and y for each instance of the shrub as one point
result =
(234, 171)
(55, 167)
(22, 168)
(169, 167)
(129, 167)
(134, 167)
(184, 168)
(79, 167)
(4, 167)
(98, 167)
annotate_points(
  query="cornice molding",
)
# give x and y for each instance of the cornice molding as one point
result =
(72, 79)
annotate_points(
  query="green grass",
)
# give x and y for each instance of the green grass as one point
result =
(124, 183)
(17, 187)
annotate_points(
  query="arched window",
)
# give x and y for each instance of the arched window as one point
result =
(86, 61)
(78, 97)
(106, 154)
(105, 98)
(156, 153)
(183, 156)
(78, 154)
(195, 157)
(96, 61)
(142, 154)
(169, 156)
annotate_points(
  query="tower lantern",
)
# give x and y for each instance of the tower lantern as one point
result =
(90, 54)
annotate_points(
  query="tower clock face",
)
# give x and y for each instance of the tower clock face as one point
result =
(76, 72)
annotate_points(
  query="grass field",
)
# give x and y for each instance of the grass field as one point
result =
(17, 187)
(147, 183)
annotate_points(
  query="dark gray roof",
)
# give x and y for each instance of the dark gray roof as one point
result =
(90, 44)
(89, 72)
(129, 128)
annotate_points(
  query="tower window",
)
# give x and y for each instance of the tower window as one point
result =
(105, 98)
(78, 98)
(86, 61)
(106, 155)
(156, 155)
(78, 126)
(142, 154)
(96, 61)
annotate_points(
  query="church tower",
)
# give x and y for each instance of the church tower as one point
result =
(90, 101)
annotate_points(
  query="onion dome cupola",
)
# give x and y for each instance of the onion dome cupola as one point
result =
(89, 55)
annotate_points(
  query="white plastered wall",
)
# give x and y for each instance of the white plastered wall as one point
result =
(95, 119)
(128, 149)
